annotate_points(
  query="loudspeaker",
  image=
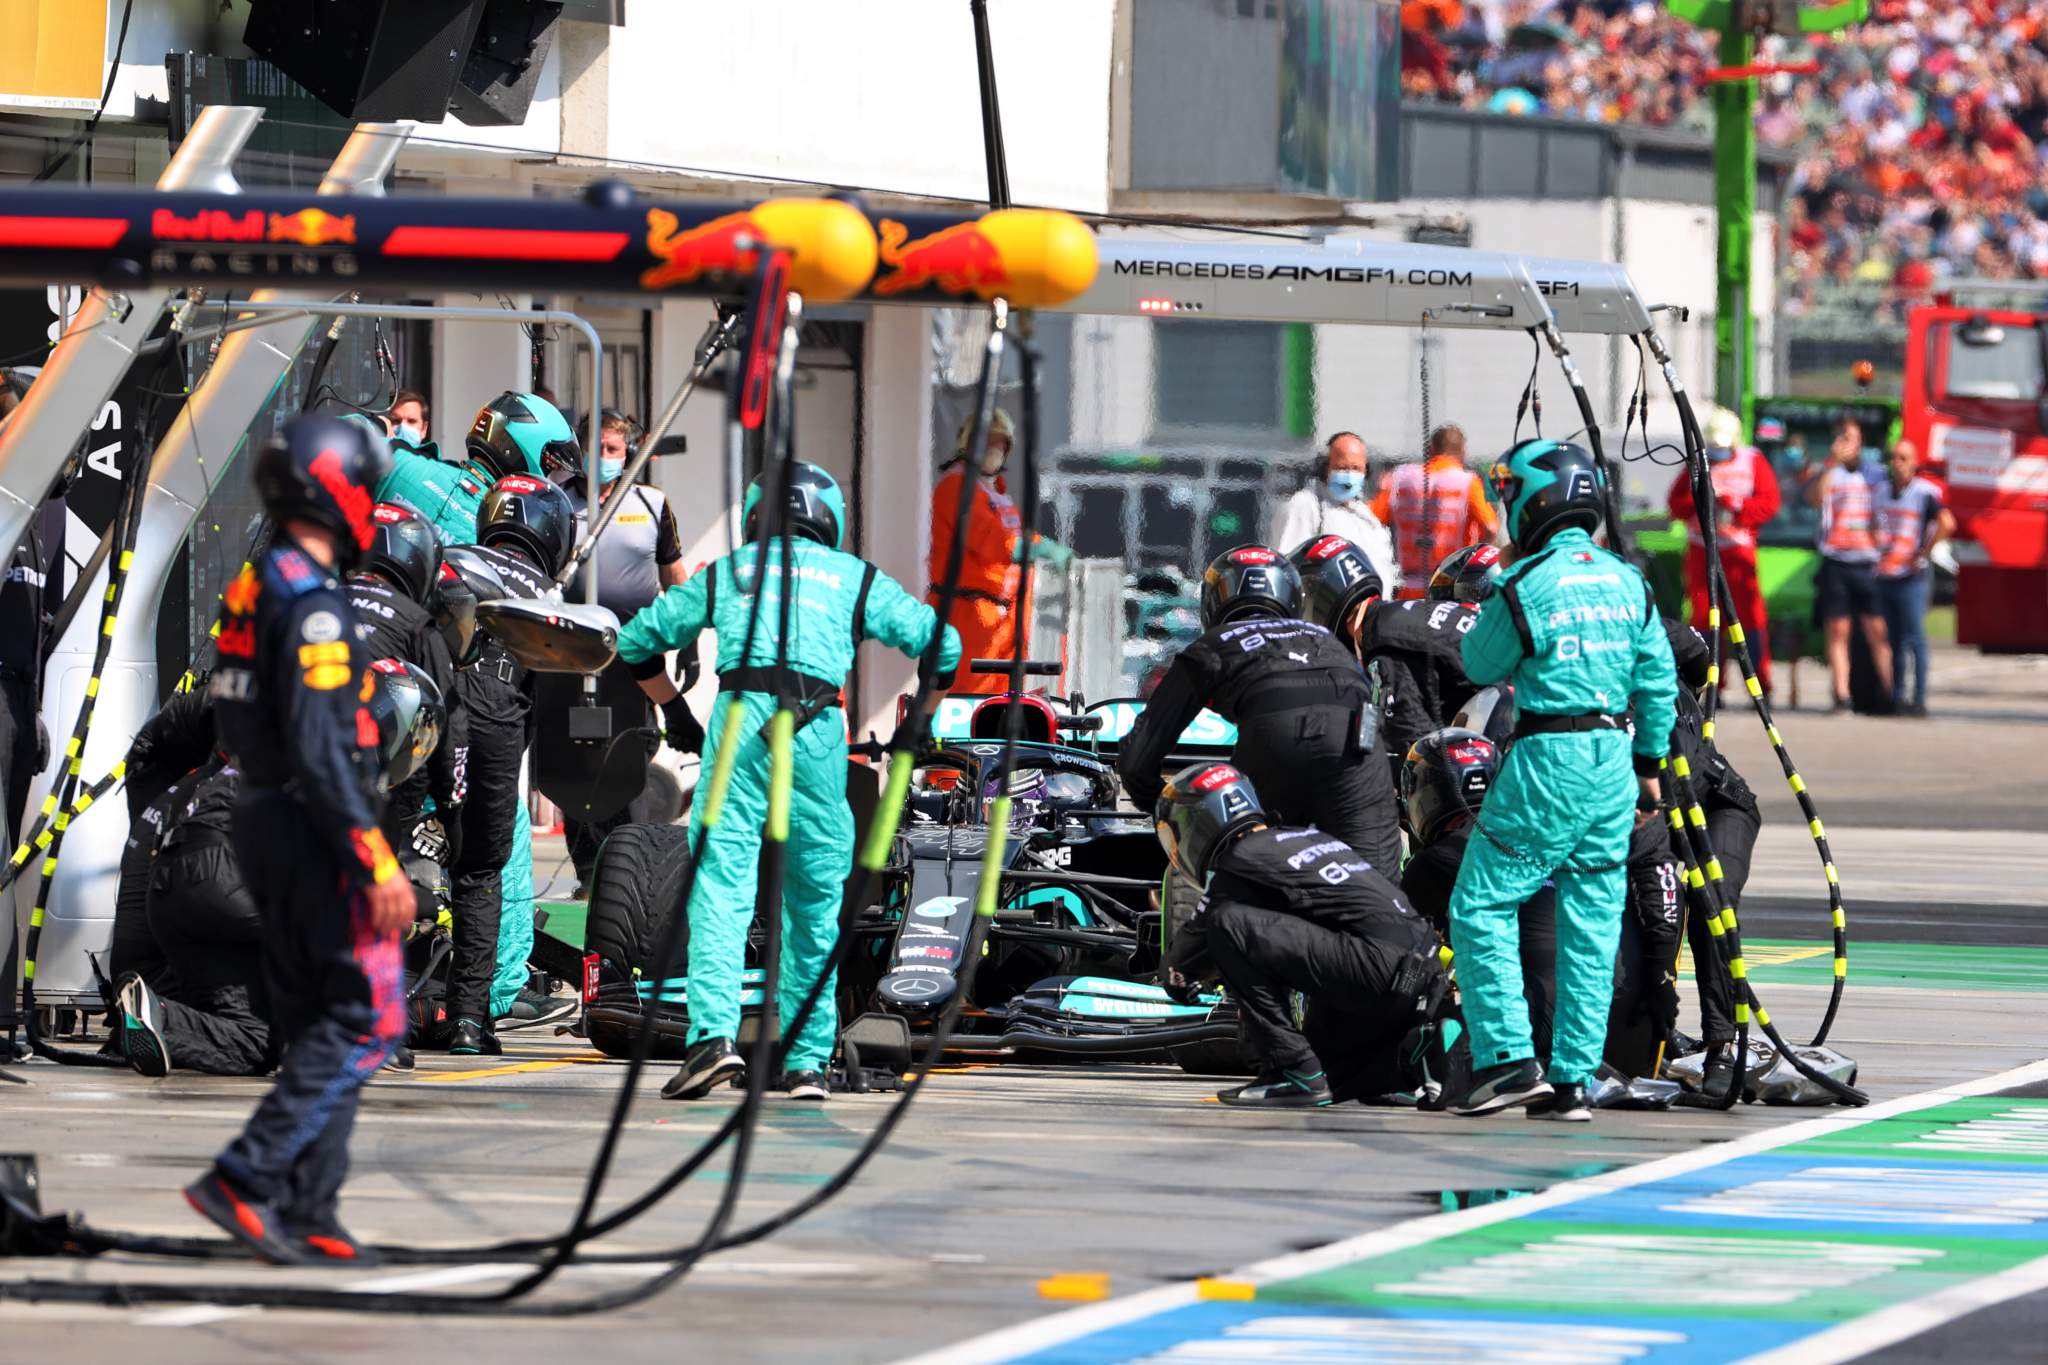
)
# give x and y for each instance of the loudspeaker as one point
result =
(373, 60)
(505, 61)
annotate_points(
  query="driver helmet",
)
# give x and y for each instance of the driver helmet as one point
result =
(1444, 778)
(1466, 575)
(1250, 580)
(817, 509)
(410, 714)
(405, 549)
(1336, 576)
(523, 433)
(531, 515)
(1202, 808)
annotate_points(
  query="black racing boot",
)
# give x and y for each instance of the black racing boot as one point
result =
(532, 1009)
(141, 1033)
(1719, 1073)
(326, 1242)
(255, 1224)
(807, 1085)
(472, 1039)
(1566, 1103)
(1500, 1087)
(708, 1062)
(1281, 1090)
(401, 1059)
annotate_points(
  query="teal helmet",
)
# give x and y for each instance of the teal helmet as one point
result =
(1545, 486)
(523, 433)
(817, 508)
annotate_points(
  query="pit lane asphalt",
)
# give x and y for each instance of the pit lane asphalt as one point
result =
(1003, 1175)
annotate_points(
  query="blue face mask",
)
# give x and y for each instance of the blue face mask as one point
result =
(1345, 484)
(607, 470)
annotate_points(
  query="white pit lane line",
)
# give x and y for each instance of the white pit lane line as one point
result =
(1844, 1342)
(446, 1277)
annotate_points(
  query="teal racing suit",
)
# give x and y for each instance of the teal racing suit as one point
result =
(1577, 630)
(840, 599)
(449, 495)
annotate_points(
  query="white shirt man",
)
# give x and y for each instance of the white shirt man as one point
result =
(1335, 504)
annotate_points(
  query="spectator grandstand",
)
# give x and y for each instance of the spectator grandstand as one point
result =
(1920, 140)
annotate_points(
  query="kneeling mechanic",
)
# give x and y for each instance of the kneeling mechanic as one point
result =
(1290, 910)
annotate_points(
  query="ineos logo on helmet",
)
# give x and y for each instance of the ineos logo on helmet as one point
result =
(1200, 810)
(405, 549)
(531, 515)
(1335, 577)
(1248, 580)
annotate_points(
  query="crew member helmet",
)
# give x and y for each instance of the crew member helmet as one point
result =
(1202, 808)
(531, 515)
(410, 715)
(326, 471)
(1335, 577)
(817, 509)
(1690, 651)
(1250, 580)
(1466, 575)
(999, 424)
(523, 433)
(405, 549)
(1544, 487)
(1444, 778)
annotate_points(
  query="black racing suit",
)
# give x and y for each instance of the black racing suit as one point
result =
(215, 1014)
(1295, 910)
(289, 703)
(36, 566)
(133, 947)
(176, 740)
(497, 693)
(1635, 1020)
(1414, 646)
(1733, 823)
(1296, 696)
(394, 626)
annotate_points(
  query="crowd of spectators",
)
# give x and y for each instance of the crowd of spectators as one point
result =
(1920, 146)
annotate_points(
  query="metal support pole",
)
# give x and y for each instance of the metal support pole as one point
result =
(105, 336)
(1735, 204)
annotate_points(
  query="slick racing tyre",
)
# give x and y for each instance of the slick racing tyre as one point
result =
(1215, 1057)
(635, 886)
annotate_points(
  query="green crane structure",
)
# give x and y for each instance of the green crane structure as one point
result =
(1740, 23)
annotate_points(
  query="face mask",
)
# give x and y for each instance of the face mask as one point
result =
(408, 433)
(1345, 484)
(607, 470)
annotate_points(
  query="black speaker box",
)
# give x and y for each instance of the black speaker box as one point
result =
(504, 63)
(372, 60)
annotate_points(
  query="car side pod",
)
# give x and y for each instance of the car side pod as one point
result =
(552, 636)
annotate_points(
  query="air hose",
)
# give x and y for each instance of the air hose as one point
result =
(1719, 600)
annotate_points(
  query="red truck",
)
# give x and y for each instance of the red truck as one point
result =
(1975, 402)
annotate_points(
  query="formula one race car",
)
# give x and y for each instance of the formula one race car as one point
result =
(1067, 965)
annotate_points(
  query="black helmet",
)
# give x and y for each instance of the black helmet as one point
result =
(326, 471)
(817, 508)
(1336, 576)
(1490, 712)
(1200, 809)
(529, 514)
(1250, 580)
(453, 601)
(410, 715)
(1444, 778)
(1543, 487)
(1690, 652)
(1466, 575)
(523, 433)
(404, 548)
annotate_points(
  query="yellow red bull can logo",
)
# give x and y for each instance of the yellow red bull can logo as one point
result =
(312, 227)
(956, 260)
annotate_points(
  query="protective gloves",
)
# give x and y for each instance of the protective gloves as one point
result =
(679, 728)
